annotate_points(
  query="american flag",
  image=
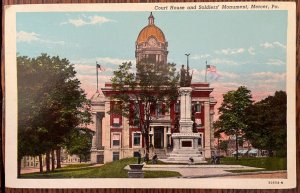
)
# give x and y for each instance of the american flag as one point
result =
(211, 68)
(100, 67)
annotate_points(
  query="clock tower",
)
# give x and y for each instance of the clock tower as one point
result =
(151, 43)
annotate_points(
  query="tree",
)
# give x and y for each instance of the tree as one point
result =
(266, 122)
(79, 143)
(233, 112)
(51, 104)
(224, 146)
(141, 93)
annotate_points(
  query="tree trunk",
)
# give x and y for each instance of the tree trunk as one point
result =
(41, 163)
(19, 167)
(52, 160)
(236, 148)
(270, 153)
(58, 164)
(48, 161)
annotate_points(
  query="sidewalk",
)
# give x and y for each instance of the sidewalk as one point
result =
(209, 171)
(33, 170)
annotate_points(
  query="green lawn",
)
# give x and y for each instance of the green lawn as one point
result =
(268, 163)
(110, 170)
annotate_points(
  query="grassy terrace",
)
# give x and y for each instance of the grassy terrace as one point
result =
(268, 163)
(110, 170)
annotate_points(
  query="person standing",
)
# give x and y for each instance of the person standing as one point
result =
(139, 157)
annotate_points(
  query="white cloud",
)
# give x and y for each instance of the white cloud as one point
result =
(251, 51)
(276, 44)
(29, 37)
(199, 56)
(267, 45)
(229, 51)
(116, 61)
(270, 75)
(275, 62)
(223, 61)
(84, 20)
(103, 60)
(23, 36)
(228, 74)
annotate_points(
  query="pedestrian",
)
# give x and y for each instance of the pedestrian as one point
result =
(191, 159)
(139, 156)
(154, 159)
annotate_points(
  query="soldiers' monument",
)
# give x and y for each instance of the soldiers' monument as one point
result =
(185, 143)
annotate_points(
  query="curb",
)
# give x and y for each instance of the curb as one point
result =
(236, 174)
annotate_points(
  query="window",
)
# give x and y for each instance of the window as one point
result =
(200, 140)
(136, 139)
(177, 107)
(159, 109)
(136, 110)
(116, 156)
(116, 122)
(116, 139)
(197, 107)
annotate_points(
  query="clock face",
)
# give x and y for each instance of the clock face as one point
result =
(152, 42)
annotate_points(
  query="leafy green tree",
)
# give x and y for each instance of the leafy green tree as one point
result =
(233, 112)
(224, 146)
(267, 124)
(51, 104)
(79, 143)
(153, 84)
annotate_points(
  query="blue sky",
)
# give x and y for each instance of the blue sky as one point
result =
(247, 47)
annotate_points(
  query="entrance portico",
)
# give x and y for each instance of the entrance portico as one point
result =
(160, 135)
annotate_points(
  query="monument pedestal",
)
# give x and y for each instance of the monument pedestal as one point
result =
(185, 143)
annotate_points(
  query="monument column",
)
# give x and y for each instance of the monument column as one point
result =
(185, 110)
(185, 143)
(207, 134)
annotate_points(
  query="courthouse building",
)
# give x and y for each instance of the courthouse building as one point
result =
(117, 137)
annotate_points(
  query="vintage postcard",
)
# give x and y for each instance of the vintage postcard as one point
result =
(160, 95)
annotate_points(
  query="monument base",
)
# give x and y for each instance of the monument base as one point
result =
(185, 146)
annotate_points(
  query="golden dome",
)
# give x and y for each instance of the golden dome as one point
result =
(150, 30)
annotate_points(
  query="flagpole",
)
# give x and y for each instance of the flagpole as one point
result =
(205, 71)
(97, 75)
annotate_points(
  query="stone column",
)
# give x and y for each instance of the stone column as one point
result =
(106, 134)
(99, 119)
(207, 134)
(152, 133)
(94, 141)
(165, 137)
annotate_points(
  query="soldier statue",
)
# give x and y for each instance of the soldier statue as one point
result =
(185, 77)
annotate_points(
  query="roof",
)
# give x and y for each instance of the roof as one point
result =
(151, 30)
(253, 151)
(98, 97)
(242, 151)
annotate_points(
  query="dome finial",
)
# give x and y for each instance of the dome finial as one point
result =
(151, 19)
